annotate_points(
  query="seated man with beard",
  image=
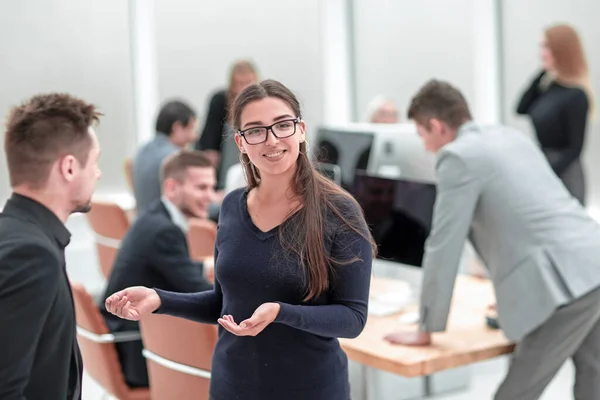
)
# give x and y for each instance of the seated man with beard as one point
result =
(154, 252)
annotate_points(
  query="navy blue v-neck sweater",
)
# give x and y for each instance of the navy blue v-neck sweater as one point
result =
(298, 356)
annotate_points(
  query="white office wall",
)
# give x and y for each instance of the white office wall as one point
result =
(74, 46)
(523, 25)
(198, 40)
(402, 44)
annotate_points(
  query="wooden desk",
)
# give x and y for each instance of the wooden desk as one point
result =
(467, 340)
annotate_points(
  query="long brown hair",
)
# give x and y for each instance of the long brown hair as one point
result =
(569, 58)
(305, 234)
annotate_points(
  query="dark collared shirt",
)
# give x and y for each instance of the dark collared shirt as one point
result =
(40, 358)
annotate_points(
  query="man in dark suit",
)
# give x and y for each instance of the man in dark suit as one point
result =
(154, 253)
(52, 155)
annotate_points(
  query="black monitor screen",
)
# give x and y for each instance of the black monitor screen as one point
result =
(399, 214)
(349, 150)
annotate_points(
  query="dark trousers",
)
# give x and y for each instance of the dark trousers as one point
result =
(133, 363)
(574, 180)
(573, 177)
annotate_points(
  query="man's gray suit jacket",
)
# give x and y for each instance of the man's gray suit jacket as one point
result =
(146, 170)
(540, 246)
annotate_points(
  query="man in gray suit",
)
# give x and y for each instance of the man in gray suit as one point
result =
(175, 129)
(540, 246)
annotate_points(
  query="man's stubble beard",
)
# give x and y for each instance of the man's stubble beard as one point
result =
(84, 208)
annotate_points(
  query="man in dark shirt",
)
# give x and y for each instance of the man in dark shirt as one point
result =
(155, 253)
(52, 155)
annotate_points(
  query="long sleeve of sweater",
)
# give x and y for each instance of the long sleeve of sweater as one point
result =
(346, 314)
(204, 307)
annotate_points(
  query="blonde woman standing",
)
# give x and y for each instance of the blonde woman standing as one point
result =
(559, 102)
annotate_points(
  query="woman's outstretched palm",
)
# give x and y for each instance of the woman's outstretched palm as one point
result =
(133, 303)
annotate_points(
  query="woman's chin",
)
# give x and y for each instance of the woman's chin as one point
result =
(275, 169)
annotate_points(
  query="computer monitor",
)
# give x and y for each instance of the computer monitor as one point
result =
(347, 146)
(331, 171)
(230, 155)
(399, 152)
(399, 213)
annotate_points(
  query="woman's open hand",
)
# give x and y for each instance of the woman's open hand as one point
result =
(262, 317)
(133, 303)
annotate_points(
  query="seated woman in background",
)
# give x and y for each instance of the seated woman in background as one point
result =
(558, 102)
(243, 73)
(293, 261)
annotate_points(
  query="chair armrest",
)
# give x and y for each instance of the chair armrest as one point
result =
(172, 365)
(106, 241)
(117, 337)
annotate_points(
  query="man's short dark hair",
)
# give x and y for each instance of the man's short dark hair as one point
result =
(171, 112)
(43, 129)
(176, 165)
(440, 100)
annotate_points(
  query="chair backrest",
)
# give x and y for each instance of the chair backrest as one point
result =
(128, 168)
(99, 353)
(201, 238)
(110, 224)
(179, 356)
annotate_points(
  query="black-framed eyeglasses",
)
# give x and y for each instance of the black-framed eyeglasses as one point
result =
(280, 129)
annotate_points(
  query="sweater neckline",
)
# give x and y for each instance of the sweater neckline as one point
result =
(243, 204)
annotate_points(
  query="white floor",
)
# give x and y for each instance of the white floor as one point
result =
(485, 377)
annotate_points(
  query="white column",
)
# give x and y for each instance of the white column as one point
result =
(144, 67)
(487, 105)
(337, 62)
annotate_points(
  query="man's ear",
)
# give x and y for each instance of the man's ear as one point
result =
(168, 186)
(176, 127)
(435, 125)
(67, 166)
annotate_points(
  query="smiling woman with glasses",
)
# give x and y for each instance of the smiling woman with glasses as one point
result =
(293, 261)
(280, 130)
